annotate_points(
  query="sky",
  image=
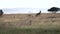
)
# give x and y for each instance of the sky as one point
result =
(9, 4)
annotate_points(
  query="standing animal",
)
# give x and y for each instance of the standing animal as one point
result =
(1, 12)
(38, 13)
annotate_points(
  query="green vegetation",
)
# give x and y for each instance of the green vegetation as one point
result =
(43, 28)
(30, 31)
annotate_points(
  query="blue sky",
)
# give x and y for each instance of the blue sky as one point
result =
(9, 4)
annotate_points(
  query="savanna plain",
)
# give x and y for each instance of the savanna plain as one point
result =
(45, 23)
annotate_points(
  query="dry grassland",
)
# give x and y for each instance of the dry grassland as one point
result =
(30, 20)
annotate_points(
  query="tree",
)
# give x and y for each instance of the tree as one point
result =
(54, 9)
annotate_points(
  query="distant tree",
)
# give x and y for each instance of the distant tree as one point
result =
(54, 9)
(1, 12)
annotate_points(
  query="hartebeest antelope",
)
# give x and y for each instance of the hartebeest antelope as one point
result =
(1, 12)
(38, 13)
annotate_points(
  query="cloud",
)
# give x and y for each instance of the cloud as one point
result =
(29, 3)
